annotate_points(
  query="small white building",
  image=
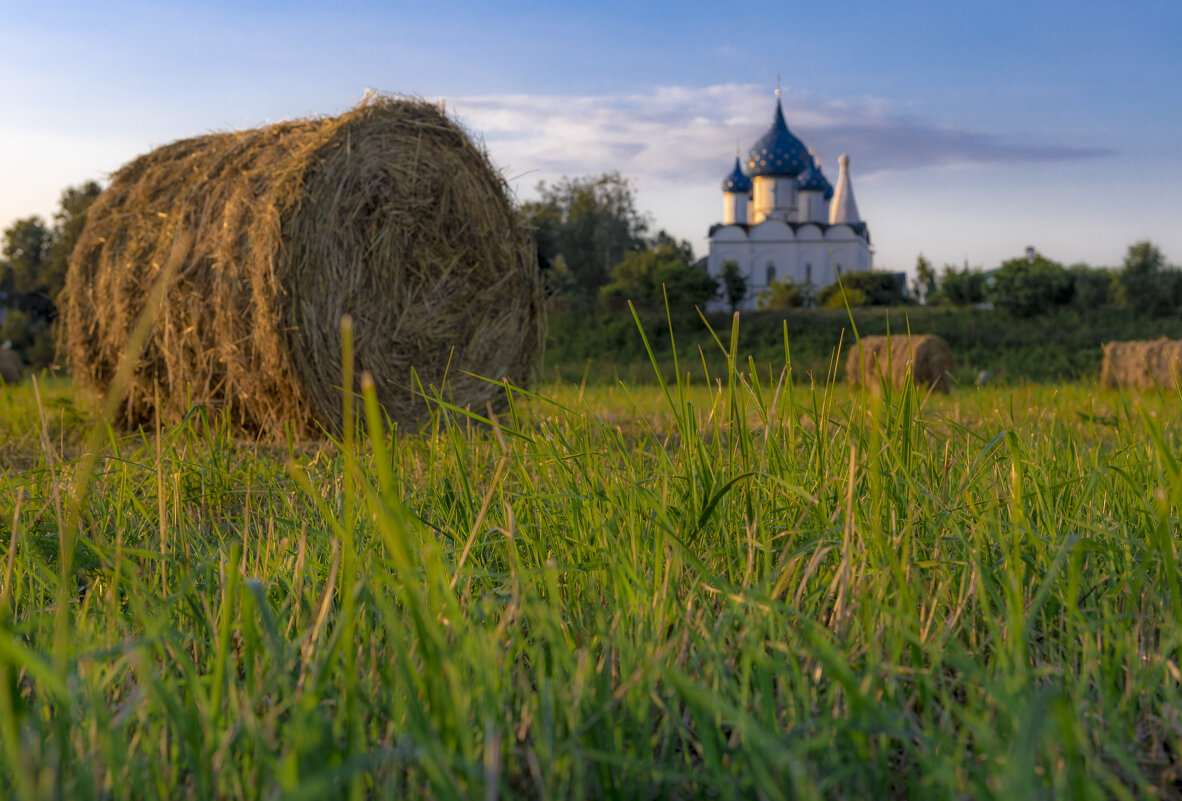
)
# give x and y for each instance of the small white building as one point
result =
(782, 219)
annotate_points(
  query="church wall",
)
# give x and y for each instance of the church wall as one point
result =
(808, 255)
(768, 264)
(785, 198)
(734, 208)
(730, 233)
(763, 199)
(809, 233)
(814, 265)
(813, 207)
(772, 231)
(773, 197)
(768, 248)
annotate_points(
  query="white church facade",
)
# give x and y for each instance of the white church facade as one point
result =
(783, 220)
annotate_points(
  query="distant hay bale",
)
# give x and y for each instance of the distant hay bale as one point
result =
(927, 356)
(12, 370)
(1142, 364)
(388, 213)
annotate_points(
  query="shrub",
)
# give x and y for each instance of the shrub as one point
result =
(1027, 287)
(831, 297)
(734, 283)
(781, 294)
(641, 276)
(879, 288)
(960, 287)
(1093, 287)
(1151, 286)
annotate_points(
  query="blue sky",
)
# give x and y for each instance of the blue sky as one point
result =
(974, 128)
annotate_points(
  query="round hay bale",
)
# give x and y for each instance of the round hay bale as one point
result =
(12, 369)
(267, 237)
(1142, 364)
(926, 357)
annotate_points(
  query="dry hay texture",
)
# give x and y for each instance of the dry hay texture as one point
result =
(1142, 364)
(927, 355)
(388, 213)
(12, 369)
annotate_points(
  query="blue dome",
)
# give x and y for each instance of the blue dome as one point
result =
(778, 152)
(736, 182)
(813, 180)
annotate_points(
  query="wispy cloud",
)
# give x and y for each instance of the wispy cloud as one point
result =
(686, 135)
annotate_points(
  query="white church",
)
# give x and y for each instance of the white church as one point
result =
(782, 219)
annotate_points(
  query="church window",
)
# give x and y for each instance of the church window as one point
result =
(808, 273)
(771, 272)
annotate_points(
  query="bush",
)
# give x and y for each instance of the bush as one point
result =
(1151, 286)
(734, 284)
(1093, 287)
(1027, 287)
(879, 288)
(647, 277)
(781, 294)
(960, 287)
(831, 297)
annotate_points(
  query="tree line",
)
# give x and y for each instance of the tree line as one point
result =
(1033, 284)
(34, 256)
(596, 253)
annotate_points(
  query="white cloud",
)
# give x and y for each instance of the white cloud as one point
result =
(677, 134)
(676, 143)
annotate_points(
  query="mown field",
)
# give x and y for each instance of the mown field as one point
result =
(742, 588)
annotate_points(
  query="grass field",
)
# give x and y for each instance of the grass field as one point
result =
(752, 588)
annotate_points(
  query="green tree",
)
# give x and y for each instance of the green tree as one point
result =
(592, 222)
(647, 277)
(25, 250)
(1094, 288)
(67, 227)
(33, 263)
(1027, 287)
(781, 294)
(924, 285)
(960, 287)
(873, 288)
(682, 247)
(832, 297)
(1150, 285)
(734, 284)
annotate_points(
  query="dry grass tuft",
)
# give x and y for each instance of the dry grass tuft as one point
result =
(926, 357)
(388, 213)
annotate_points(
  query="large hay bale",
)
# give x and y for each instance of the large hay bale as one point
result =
(388, 213)
(1142, 364)
(926, 357)
(12, 369)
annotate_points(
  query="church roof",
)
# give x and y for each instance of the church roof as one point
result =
(778, 152)
(813, 180)
(844, 209)
(859, 228)
(737, 182)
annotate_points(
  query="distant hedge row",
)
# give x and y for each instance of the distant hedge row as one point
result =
(1061, 345)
